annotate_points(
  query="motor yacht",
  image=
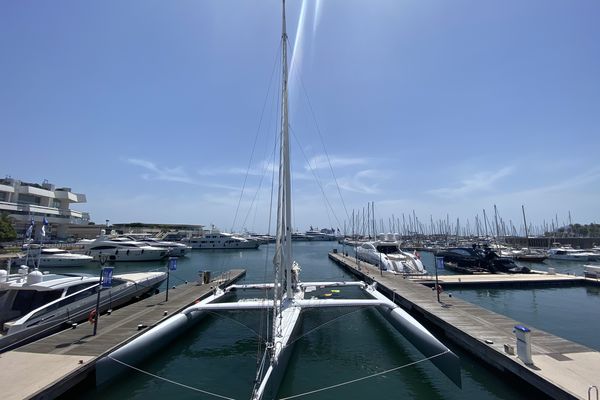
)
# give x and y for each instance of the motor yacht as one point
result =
(476, 259)
(175, 249)
(114, 248)
(48, 257)
(320, 235)
(567, 253)
(389, 257)
(34, 305)
(215, 239)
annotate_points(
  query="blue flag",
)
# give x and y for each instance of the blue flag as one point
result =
(107, 273)
(173, 264)
(439, 262)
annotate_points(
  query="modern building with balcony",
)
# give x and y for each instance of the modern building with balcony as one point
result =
(23, 201)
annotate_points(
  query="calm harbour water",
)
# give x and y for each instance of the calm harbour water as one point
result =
(219, 355)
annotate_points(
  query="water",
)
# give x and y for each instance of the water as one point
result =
(220, 354)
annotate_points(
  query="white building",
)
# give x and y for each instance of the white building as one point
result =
(23, 201)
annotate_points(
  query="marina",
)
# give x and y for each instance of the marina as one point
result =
(344, 344)
(476, 277)
(560, 368)
(60, 361)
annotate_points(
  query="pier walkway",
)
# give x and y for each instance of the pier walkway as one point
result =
(50, 366)
(562, 369)
(535, 279)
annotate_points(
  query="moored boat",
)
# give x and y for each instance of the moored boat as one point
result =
(215, 239)
(567, 253)
(114, 248)
(388, 257)
(34, 305)
(49, 257)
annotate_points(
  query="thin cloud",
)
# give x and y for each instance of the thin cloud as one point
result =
(322, 161)
(479, 182)
(261, 169)
(584, 179)
(156, 173)
(366, 182)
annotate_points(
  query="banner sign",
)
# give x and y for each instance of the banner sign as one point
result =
(439, 262)
(173, 264)
(107, 274)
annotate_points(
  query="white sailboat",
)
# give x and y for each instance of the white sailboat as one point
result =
(288, 297)
(289, 293)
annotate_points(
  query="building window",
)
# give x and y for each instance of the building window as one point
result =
(29, 199)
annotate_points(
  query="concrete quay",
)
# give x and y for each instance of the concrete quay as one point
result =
(561, 369)
(47, 368)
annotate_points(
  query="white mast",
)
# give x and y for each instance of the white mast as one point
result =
(283, 252)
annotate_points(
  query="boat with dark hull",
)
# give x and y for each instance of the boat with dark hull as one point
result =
(477, 260)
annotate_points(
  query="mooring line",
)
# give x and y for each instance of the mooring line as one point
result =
(169, 380)
(363, 378)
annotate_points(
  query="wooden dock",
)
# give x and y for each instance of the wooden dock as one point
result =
(49, 367)
(535, 279)
(562, 369)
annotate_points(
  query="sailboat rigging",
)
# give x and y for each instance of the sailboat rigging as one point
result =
(288, 299)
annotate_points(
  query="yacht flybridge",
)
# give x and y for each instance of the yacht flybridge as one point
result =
(289, 298)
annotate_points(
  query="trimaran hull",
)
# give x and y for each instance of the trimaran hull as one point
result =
(290, 322)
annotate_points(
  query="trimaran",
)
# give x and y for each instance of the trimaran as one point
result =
(288, 295)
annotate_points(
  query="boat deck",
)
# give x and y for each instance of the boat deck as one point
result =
(52, 365)
(562, 369)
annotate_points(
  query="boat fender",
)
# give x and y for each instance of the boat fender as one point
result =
(92, 316)
(127, 251)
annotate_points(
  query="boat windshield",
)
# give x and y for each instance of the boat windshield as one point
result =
(83, 294)
(28, 300)
(388, 249)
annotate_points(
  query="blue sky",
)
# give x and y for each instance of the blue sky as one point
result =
(152, 108)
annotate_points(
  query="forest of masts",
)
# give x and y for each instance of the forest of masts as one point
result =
(364, 224)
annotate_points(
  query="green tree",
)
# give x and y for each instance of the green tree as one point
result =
(7, 232)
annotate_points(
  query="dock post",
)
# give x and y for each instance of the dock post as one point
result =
(97, 309)
(171, 266)
(105, 281)
(437, 286)
(523, 335)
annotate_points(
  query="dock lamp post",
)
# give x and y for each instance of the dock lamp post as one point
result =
(106, 275)
(439, 264)
(172, 266)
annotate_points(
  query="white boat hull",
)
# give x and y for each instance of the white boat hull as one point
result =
(133, 254)
(42, 324)
(77, 260)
